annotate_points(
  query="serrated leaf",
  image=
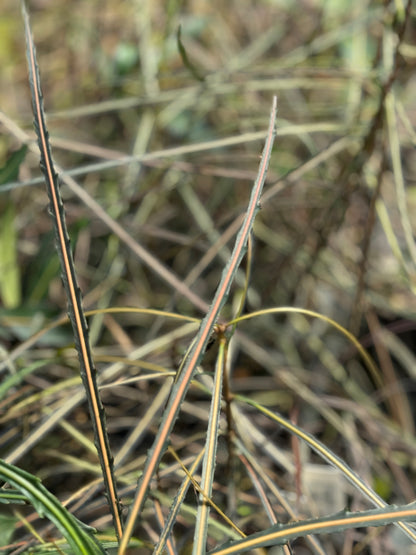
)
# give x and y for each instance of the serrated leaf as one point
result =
(69, 278)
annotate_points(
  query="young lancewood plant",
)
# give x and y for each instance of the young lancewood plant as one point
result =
(27, 488)
(69, 278)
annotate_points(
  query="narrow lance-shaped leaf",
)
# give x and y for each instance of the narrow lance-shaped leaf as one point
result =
(187, 371)
(75, 309)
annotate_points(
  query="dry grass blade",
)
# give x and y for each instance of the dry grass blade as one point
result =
(196, 351)
(180, 496)
(76, 313)
(335, 461)
(155, 170)
(211, 444)
(145, 256)
(278, 535)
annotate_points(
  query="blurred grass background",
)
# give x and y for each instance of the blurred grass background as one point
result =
(335, 232)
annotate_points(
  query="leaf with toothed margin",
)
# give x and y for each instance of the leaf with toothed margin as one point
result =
(69, 278)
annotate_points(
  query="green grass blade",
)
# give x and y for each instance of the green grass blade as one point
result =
(10, 281)
(198, 347)
(9, 265)
(193, 70)
(10, 171)
(18, 377)
(76, 313)
(46, 505)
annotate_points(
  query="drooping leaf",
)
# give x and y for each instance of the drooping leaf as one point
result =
(77, 534)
